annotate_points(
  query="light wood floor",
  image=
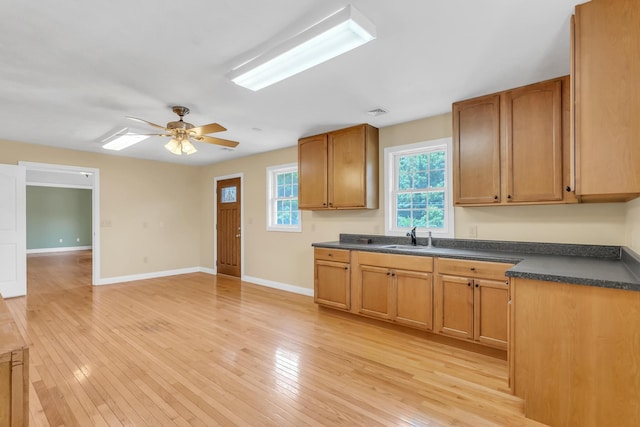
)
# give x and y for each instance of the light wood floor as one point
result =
(203, 350)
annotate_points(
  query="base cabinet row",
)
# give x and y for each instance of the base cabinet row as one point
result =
(459, 298)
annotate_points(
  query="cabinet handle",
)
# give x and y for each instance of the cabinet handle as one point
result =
(388, 273)
(469, 284)
(568, 189)
(324, 204)
(509, 196)
(330, 254)
(330, 204)
(477, 286)
(472, 269)
(495, 197)
(346, 268)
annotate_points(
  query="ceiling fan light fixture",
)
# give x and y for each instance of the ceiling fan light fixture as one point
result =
(341, 32)
(122, 139)
(174, 146)
(187, 147)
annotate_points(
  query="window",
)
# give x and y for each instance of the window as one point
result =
(282, 198)
(418, 188)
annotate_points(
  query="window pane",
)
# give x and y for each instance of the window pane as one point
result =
(294, 217)
(436, 160)
(295, 190)
(419, 217)
(280, 178)
(436, 199)
(404, 201)
(419, 200)
(404, 218)
(287, 178)
(420, 180)
(405, 165)
(421, 162)
(405, 181)
(436, 178)
(287, 191)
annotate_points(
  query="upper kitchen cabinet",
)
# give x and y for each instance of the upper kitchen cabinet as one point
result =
(606, 70)
(476, 148)
(513, 147)
(339, 169)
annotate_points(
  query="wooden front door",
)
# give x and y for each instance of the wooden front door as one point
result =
(228, 227)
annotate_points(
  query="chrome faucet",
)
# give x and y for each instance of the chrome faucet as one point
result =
(429, 242)
(412, 234)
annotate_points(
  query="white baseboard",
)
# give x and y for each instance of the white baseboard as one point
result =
(65, 249)
(153, 275)
(144, 276)
(277, 285)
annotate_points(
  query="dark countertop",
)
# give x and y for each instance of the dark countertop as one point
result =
(602, 266)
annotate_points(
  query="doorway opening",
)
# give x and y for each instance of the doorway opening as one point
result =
(54, 176)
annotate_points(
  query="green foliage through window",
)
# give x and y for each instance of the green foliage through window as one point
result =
(286, 198)
(420, 190)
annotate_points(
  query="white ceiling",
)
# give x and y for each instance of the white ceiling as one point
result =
(72, 70)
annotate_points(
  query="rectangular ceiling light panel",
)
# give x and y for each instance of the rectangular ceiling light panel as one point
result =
(122, 139)
(339, 33)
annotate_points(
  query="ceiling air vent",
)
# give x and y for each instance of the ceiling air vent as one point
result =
(377, 112)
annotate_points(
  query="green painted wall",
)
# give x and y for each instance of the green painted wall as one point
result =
(58, 213)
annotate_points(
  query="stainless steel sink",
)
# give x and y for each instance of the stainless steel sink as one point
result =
(406, 247)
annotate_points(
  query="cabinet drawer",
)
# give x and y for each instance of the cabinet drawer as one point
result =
(469, 268)
(339, 255)
(406, 262)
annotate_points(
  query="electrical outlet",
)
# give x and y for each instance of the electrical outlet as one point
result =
(473, 231)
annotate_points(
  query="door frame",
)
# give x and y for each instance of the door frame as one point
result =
(95, 206)
(215, 219)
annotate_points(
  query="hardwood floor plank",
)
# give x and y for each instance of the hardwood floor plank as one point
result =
(201, 350)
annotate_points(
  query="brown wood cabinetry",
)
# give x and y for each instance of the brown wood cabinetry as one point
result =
(332, 278)
(14, 372)
(471, 301)
(514, 147)
(605, 70)
(339, 169)
(398, 288)
(575, 353)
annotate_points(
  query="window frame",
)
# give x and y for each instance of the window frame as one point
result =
(391, 177)
(272, 199)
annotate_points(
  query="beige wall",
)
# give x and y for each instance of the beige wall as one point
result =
(176, 204)
(153, 208)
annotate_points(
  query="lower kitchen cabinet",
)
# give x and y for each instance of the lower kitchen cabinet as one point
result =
(471, 301)
(397, 288)
(576, 353)
(332, 278)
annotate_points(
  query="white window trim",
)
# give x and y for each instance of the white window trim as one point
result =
(271, 226)
(389, 180)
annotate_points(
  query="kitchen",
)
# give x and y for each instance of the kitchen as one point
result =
(585, 223)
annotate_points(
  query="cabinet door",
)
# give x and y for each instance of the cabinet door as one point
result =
(533, 143)
(5, 389)
(491, 301)
(347, 168)
(414, 298)
(476, 150)
(376, 291)
(332, 284)
(312, 172)
(606, 56)
(456, 310)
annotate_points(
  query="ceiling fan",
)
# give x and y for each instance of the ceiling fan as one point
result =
(182, 133)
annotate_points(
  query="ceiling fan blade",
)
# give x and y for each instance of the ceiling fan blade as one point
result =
(205, 129)
(144, 121)
(217, 141)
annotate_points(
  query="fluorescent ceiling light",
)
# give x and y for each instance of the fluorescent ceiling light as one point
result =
(339, 33)
(122, 139)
